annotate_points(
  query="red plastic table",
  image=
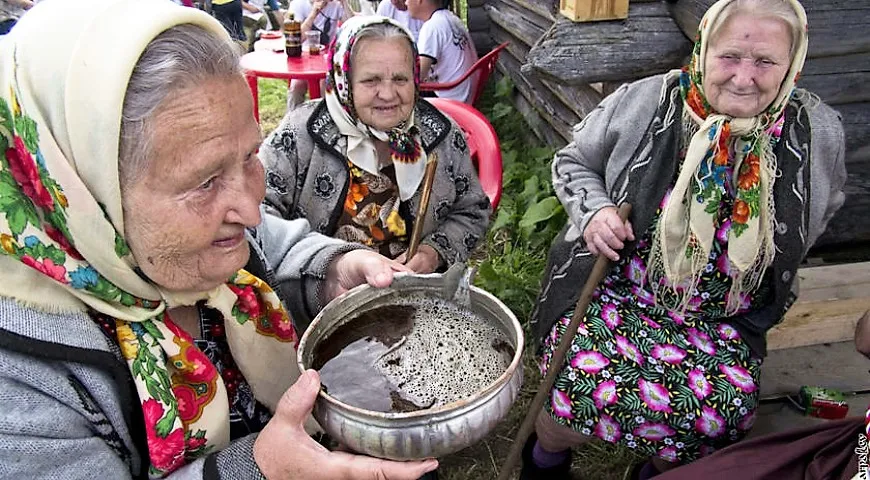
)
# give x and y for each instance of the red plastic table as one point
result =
(269, 64)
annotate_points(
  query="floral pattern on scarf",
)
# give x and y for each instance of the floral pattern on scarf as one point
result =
(184, 401)
(685, 236)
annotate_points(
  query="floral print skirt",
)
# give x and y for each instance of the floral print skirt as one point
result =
(662, 384)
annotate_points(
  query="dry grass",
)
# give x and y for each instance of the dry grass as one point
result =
(483, 461)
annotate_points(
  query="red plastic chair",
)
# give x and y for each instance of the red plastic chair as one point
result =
(485, 65)
(482, 143)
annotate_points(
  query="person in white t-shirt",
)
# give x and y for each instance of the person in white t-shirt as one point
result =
(323, 16)
(445, 47)
(398, 11)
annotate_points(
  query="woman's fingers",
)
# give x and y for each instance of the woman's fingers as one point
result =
(358, 467)
(606, 233)
(605, 248)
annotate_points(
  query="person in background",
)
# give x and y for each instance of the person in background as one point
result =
(255, 17)
(398, 11)
(353, 163)
(445, 47)
(323, 16)
(733, 173)
(10, 12)
(138, 337)
(229, 13)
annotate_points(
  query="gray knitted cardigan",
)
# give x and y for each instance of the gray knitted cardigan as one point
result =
(68, 406)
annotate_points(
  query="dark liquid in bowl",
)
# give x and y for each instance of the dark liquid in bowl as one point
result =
(409, 357)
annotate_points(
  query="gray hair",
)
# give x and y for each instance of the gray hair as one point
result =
(382, 31)
(776, 9)
(178, 58)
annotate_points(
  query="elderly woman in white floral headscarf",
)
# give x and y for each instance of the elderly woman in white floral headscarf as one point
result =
(132, 341)
(733, 173)
(353, 163)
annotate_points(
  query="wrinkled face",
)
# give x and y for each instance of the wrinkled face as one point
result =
(185, 217)
(399, 4)
(745, 65)
(382, 82)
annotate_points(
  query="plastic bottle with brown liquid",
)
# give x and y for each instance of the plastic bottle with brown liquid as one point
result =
(292, 36)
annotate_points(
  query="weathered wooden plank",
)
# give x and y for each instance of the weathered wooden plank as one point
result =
(856, 123)
(648, 42)
(850, 224)
(834, 282)
(812, 323)
(544, 9)
(518, 48)
(835, 365)
(581, 99)
(549, 107)
(840, 79)
(832, 299)
(836, 27)
(521, 8)
(544, 131)
(514, 23)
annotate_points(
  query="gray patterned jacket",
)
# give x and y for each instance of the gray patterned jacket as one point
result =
(307, 177)
(68, 407)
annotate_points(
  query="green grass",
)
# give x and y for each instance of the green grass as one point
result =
(511, 263)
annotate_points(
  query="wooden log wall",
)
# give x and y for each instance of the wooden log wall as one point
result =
(560, 69)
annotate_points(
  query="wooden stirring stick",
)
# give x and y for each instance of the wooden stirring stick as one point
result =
(417, 232)
(599, 270)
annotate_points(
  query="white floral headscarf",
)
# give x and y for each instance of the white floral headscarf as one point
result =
(686, 229)
(406, 150)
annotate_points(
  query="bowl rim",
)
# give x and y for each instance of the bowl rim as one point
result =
(456, 406)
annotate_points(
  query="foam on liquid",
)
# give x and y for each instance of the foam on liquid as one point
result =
(421, 352)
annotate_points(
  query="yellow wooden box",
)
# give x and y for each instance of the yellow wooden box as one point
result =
(593, 10)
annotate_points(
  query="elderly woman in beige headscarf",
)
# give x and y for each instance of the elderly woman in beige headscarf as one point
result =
(732, 173)
(132, 341)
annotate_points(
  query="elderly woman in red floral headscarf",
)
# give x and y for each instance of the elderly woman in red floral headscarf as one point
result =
(733, 173)
(133, 343)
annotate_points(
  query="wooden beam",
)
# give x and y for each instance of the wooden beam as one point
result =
(838, 80)
(850, 224)
(832, 299)
(646, 43)
(835, 365)
(552, 111)
(513, 22)
(856, 123)
(836, 27)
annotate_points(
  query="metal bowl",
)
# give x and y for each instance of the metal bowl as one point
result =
(424, 433)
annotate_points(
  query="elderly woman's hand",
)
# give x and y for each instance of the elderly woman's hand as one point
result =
(284, 451)
(357, 267)
(426, 260)
(606, 233)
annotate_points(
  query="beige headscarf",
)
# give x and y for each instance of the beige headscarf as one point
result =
(686, 229)
(64, 71)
